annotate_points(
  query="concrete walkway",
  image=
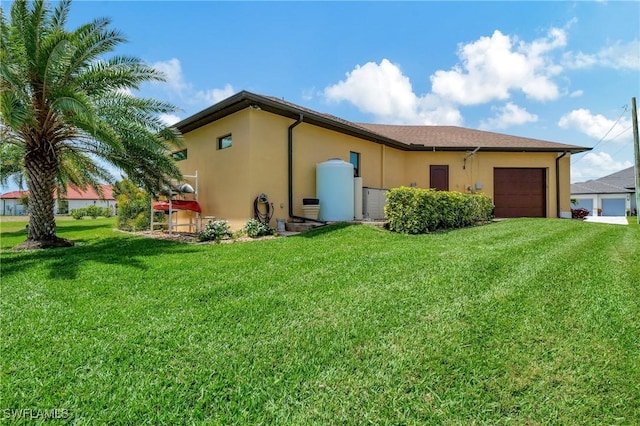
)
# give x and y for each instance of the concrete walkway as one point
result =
(614, 220)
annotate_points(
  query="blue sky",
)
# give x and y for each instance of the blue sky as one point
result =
(559, 71)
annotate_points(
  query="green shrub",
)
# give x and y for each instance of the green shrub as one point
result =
(411, 210)
(417, 211)
(215, 231)
(134, 206)
(78, 213)
(93, 211)
(254, 228)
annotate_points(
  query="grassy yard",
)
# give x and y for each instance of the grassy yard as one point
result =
(518, 322)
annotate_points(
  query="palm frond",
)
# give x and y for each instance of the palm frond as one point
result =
(15, 113)
(80, 171)
(91, 42)
(60, 14)
(11, 163)
(121, 72)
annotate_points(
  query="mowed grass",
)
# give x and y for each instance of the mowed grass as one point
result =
(518, 322)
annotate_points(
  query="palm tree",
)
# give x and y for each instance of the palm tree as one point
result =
(64, 105)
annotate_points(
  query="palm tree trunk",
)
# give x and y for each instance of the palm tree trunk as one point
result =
(41, 167)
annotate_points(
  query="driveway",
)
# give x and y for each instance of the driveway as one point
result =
(614, 220)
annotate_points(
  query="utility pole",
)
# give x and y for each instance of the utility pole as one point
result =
(636, 150)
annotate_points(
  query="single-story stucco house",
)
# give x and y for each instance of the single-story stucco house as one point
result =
(250, 144)
(612, 195)
(11, 202)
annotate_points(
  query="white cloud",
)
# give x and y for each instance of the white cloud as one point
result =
(492, 67)
(381, 90)
(308, 94)
(595, 165)
(576, 93)
(384, 91)
(179, 86)
(595, 126)
(432, 111)
(507, 116)
(214, 96)
(621, 56)
(618, 56)
(169, 119)
(172, 71)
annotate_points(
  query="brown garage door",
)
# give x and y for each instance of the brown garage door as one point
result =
(520, 192)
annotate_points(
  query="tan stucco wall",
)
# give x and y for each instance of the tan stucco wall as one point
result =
(565, 187)
(231, 179)
(268, 162)
(478, 169)
(311, 145)
(224, 175)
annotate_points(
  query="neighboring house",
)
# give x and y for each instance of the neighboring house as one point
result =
(612, 195)
(11, 204)
(250, 144)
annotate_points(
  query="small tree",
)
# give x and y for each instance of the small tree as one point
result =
(134, 206)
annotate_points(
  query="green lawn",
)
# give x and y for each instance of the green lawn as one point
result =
(518, 322)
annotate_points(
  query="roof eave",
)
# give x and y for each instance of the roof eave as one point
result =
(244, 99)
(572, 150)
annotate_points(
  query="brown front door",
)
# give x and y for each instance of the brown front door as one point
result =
(520, 192)
(439, 178)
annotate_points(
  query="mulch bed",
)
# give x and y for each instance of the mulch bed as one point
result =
(192, 238)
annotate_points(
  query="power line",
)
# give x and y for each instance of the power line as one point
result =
(624, 110)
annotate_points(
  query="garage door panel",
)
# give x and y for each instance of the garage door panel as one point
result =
(520, 192)
(613, 207)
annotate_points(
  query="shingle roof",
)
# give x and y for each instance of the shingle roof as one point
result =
(90, 193)
(408, 138)
(72, 194)
(619, 182)
(452, 136)
(13, 195)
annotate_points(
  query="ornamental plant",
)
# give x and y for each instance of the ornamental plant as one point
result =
(579, 213)
(216, 230)
(254, 229)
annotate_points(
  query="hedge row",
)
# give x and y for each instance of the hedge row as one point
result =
(418, 211)
(91, 211)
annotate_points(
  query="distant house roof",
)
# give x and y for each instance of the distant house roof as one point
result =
(407, 138)
(72, 194)
(90, 193)
(13, 195)
(619, 182)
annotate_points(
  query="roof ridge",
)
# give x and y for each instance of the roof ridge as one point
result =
(404, 137)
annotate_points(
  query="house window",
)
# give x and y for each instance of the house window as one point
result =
(179, 155)
(63, 206)
(354, 158)
(225, 142)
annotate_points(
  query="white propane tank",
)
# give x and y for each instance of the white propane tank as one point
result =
(334, 189)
